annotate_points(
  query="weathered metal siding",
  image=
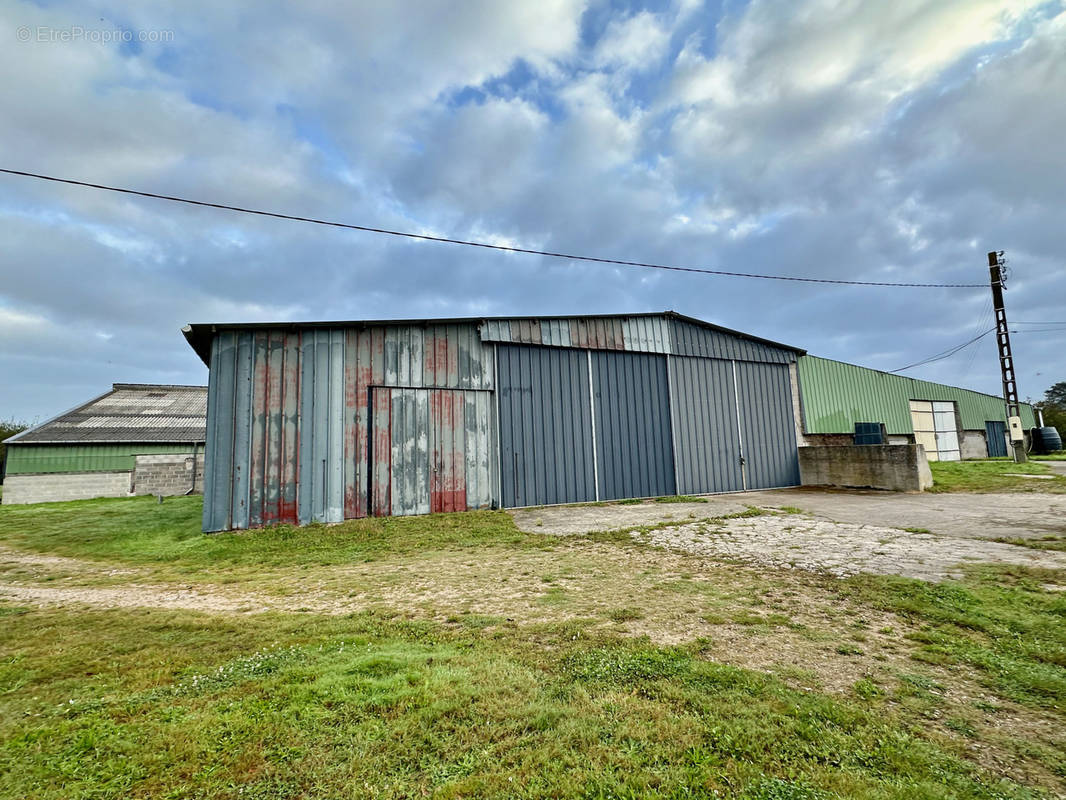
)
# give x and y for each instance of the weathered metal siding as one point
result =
(636, 334)
(705, 421)
(690, 339)
(546, 453)
(440, 455)
(23, 459)
(275, 426)
(228, 449)
(289, 414)
(632, 412)
(768, 433)
(837, 395)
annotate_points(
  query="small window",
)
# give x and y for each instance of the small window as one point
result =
(869, 433)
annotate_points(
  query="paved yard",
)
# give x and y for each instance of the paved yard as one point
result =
(837, 532)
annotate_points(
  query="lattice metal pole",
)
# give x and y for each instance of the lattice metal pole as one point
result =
(997, 268)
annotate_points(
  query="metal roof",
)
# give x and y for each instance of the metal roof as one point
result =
(836, 395)
(130, 412)
(199, 335)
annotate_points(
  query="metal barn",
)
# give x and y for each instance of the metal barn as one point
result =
(338, 420)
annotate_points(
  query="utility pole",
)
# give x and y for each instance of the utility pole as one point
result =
(997, 270)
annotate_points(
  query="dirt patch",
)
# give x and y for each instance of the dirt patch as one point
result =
(842, 549)
(37, 563)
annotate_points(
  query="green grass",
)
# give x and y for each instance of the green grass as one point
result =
(150, 703)
(1002, 623)
(1057, 456)
(116, 705)
(680, 498)
(1038, 543)
(992, 476)
(139, 531)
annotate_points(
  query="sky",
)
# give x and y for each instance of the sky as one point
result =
(826, 138)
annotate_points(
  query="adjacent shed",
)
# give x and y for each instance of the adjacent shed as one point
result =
(133, 439)
(327, 421)
(842, 401)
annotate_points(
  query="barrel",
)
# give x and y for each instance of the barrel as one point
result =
(1046, 440)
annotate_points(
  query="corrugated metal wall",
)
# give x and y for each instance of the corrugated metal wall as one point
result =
(633, 441)
(23, 459)
(440, 454)
(289, 412)
(690, 339)
(705, 424)
(837, 395)
(768, 432)
(546, 451)
(329, 423)
(637, 334)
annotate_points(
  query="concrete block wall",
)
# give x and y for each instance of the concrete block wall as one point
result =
(797, 405)
(895, 467)
(168, 474)
(20, 489)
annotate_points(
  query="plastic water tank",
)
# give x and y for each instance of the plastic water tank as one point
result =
(1046, 440)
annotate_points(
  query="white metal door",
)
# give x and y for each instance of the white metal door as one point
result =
(935, 429)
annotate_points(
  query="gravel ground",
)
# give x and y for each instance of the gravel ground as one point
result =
(839, 533)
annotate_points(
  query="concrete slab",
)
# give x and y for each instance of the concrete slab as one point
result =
(968, 516)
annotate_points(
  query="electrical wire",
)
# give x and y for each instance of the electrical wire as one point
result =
(484, 245)
(957, 348)
(986, 317)
(946, 353)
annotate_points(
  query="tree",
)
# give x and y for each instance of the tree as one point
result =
(1053, 407)
(8, 428)
(1056, 395)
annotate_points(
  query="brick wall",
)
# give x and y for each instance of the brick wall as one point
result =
(168, 474)
(19, 489)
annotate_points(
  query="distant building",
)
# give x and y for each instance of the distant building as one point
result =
(134, 439)
(841, 401)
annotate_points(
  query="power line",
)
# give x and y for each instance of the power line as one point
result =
(484, 245)
(946, 353)
(958, 348)
(986, 317)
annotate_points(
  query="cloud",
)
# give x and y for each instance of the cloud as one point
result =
(841, 139)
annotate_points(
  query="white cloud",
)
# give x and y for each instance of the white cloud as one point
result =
(636, 43)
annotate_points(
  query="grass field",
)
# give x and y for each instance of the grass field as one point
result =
(993, 476)
(556, 668)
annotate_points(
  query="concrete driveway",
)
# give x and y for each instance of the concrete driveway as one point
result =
(839, 532)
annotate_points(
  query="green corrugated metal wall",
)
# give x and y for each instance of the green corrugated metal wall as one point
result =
(837, 395)
(31, 458)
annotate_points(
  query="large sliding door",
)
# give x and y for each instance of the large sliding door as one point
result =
(768, 429)
(634, 449)
(935, 429)
(431, 450)
(546, 453)
(706, 423)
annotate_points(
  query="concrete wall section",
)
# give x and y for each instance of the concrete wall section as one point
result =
(169, 474)
(897, 468)
(973, 444)
(47, 488)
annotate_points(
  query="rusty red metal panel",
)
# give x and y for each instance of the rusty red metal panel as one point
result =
(447, 487)
(351, 423)
(362, 378)
(289, 422)
(381, 452)
(579, 333)
(257, 460)
(273, 453)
